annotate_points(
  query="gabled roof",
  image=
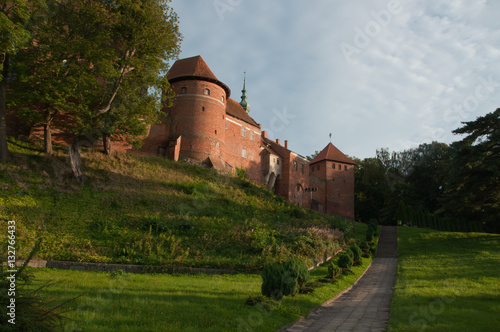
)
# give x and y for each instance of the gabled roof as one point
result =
(194, 68)
(331, 153)
(233, 108)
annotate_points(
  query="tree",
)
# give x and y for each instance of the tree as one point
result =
(371, 188)
(109, 60)
(14, 33)
(474, 191)
(41, 68)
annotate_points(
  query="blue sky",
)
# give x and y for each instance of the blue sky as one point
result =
(375, 74)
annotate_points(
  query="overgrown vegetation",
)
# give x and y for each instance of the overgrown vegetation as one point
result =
(146, 210)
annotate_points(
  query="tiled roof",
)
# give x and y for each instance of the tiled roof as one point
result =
(233, 108)
(194, 66)
(330, 152)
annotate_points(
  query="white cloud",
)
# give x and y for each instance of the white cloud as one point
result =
(398, 92)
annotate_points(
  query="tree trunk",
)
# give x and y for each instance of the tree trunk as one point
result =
(4, 150)
(107, 144)
(47, 131)
(76, 161)
(47, 137)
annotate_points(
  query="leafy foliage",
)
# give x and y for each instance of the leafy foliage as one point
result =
(345, 260)
(334, 271)
(277, 281)
(474, 189)
(356, 253)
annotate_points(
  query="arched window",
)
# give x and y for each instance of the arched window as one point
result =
(206, 92)
(183, 90)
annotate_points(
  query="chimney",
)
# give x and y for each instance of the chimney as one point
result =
(278, 141)
(264, 134)
(286, 144)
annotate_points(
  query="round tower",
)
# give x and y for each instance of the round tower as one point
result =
(198, 113)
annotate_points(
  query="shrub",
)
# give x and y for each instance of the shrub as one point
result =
(334, 271)
(345, 260)
(277, 282)
(281, 279)
(356, 253)
(241, 173)
(369, 235)
(298, 270)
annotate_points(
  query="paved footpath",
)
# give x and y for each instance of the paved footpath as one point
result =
(366, 306)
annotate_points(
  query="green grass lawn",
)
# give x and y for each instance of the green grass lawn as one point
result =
(446, 282)
(180, 302)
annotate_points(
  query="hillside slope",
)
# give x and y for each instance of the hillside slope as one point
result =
(146, 210)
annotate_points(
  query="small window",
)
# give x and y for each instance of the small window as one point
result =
(216, 132)
(243, 132)
(226, 125)
(203, 109)
(222, 98)
(251, 135)
(333, 166)
(183, 90)
(340, 167)
(295, 166)
(206, 92)
(244, 153)
(274, 160)
(278, 162)
(345, 168)
(302, 168)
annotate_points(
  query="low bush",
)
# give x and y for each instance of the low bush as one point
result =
(334, 271)
(281, 279)
(345, 260)
(298, 270)
(356, 253)
(369, 234)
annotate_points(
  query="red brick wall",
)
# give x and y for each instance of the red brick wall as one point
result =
(199, 119)
(335, 187)
(236, 142)
(293, 180)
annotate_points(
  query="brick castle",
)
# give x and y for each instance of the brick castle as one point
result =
(204, 125)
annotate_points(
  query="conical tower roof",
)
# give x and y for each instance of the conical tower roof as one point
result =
(194, 68)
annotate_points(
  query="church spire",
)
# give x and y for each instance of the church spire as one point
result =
(243, 101)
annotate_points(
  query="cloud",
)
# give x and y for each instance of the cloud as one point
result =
(398, 91)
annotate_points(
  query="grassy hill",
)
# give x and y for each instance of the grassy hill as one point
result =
(146, 210)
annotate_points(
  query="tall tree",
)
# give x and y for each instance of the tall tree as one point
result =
(474, 191)
(14, 33)
(108, 61)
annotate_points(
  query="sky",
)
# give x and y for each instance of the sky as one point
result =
(374, 74)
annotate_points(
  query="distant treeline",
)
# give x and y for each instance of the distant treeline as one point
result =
(452, 187)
